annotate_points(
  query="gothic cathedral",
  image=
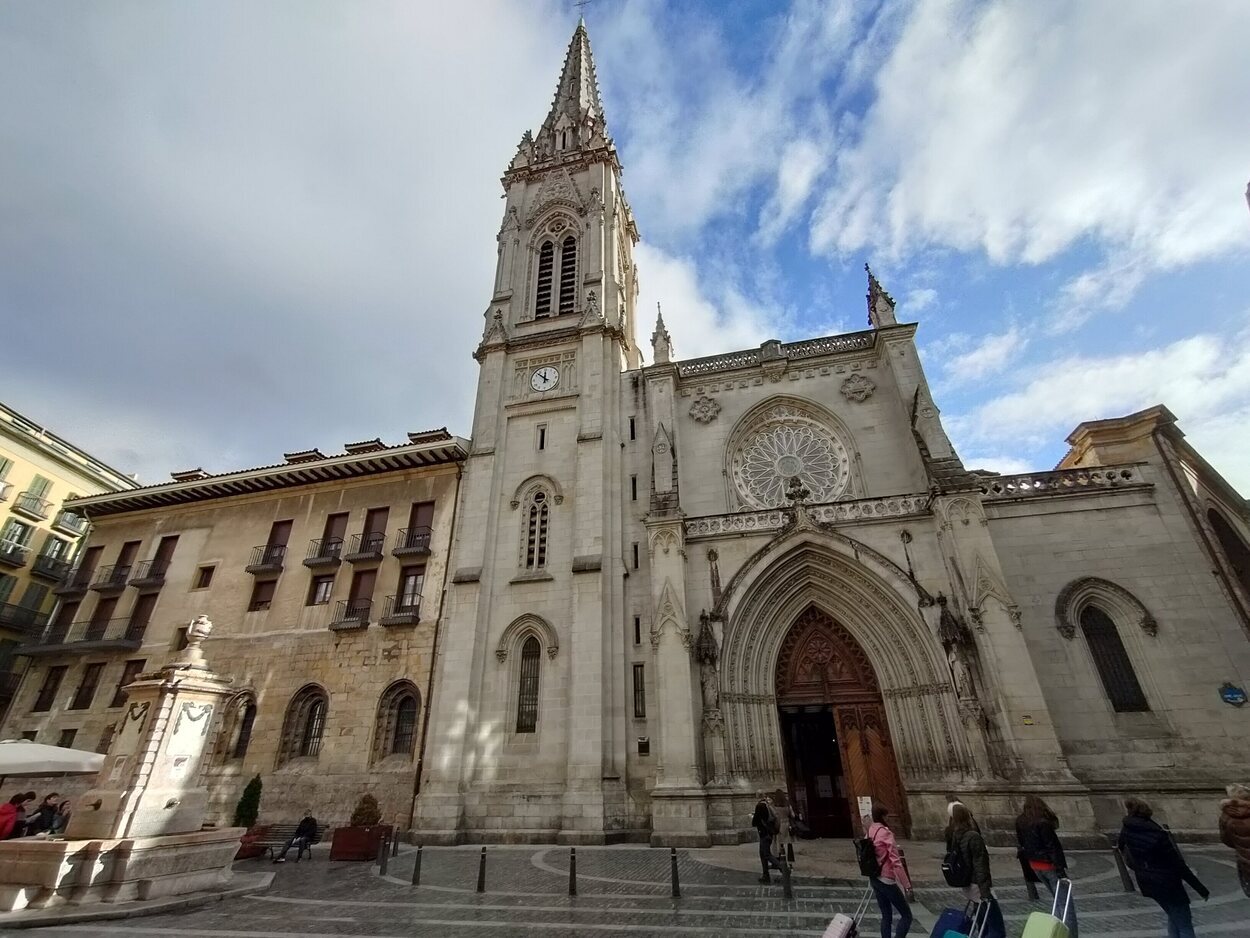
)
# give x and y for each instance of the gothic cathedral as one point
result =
(675, 585)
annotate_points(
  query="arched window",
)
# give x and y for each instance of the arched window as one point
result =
(305, 724)
(396, 731)
(527, 696)
(244, 736)
(537, 514)
(546, 265)
(568, 275)
(1115, 669)
(1235, 550)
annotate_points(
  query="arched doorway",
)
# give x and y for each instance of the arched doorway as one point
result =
(835, 738)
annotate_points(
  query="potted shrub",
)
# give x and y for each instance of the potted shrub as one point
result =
(245, 814)
(360, 838)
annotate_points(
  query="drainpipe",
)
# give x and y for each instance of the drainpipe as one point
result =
(438, 623)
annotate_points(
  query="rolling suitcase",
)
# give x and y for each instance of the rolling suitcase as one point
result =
(976, 925)
(847, 926)
(956, 920)
(1041, 925)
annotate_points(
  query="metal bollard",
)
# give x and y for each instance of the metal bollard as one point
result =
(395, 844)
(481, 872)
(787, 887)
(790, 853)
(416, 868)
(672, 859)
(1126, 879)
(572, 871)
(384, 854)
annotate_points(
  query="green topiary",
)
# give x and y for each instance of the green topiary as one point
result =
(366, 813)
(248, 808)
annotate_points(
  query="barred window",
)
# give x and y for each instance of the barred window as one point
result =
(568, 275)
(527, 698)
(536, 521)
(640, 692)
(396, 731)
(546, 264)
(244, 738)
(1115, 669)
(304, 726)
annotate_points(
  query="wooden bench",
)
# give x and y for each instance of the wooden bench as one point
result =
(275, 836)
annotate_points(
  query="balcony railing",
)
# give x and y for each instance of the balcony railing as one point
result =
(366, 547)
(69, 523)
(50, 568)
(150, 574)
(402, 610)
(87, 635)
(6, 488)
(13, 554)
(266, 559)
(8, 685)
(351, 614)
(75, 582)
(32, 506)
(112, 579)
(324, 552)
(411, 542)
(21, 619)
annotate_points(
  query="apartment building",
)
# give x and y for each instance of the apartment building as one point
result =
(39, 471)
(323, 578)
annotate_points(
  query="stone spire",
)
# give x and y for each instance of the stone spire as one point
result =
(576, 119)
(880, 303)
(661, 342)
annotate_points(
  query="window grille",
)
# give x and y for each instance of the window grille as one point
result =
(395, 732)
(527, 698)
(640, 692)
(1112, 661)
(314, 723)
(405, 726)
(568, 275)
(536, 532)
(51, 684)
(86, 690)
(244, 739)
(305, 724)
(546, 263)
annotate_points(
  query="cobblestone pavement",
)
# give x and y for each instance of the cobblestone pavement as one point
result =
(626, 891)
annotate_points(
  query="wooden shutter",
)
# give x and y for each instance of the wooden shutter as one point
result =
(546, 261)
(568, 275)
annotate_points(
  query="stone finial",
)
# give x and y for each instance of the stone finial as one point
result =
(880, 303)
(661, 341)
(199, 629)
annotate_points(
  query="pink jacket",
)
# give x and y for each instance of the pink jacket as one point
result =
(887, 855)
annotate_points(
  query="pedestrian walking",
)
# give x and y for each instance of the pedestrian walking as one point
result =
(968, 860)
(1038, 843)
(785, 827)
(890, 884)
(1162, 872)
(1235, 829)
(764, 820)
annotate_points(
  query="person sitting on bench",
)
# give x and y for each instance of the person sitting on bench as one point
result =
(305, 834)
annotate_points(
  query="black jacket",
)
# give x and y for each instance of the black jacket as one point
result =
(763, 820)
(1038, 841)
(40, 819)
(1161, 870)
(307, 827)
(971, 846)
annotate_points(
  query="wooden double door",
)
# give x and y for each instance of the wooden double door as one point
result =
(834, 730)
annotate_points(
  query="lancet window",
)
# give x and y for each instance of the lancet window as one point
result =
(556, 290)
(305, 723)
(1111, 660)
(527, 691)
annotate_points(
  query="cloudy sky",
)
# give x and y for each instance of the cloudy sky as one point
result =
(230, 230)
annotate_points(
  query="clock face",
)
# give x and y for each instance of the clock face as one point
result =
(545, 378)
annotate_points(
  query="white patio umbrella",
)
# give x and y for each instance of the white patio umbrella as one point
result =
(22, 758)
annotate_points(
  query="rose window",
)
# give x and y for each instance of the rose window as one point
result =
(789, 444)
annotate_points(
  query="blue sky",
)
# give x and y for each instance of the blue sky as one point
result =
(230, 230)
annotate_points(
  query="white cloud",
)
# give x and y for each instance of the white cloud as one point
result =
(801, 163)
(1001, 463)
(987, 357)
(1018, 128)
(916, 301)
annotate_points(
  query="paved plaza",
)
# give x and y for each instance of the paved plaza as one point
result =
(626, 890)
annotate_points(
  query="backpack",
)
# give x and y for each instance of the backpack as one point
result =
(956, 869)
(866, 854)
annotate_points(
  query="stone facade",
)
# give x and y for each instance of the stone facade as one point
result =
(691, 512)
(273, 648)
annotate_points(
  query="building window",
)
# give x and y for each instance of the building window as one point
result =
(527, 696)
(7, 583)
(633, 488)
(396, 731)
(542, 437)
(320, 589)
(635, 551)
(131, 671)
(51, 684)
(32, 735)
(537, 515)
(1236, 552)
(66, 739)
(411, 583)
(262, 595)
(86, 688)
(633, 431)
(546, 265)
(637, 630)
(180, 639)
(247, 719)
(568, 275)
(640, 693)
(644, 745)
(1115, 669)
(106, 738)
(305, 724)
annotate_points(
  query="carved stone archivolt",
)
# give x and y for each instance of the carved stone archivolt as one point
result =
(782, 440)
(1119, 603)
(522, 628)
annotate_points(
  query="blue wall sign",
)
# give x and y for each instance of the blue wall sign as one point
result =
(1231, 694)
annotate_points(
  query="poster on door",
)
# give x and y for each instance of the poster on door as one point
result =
(824, 786)
(865, 809)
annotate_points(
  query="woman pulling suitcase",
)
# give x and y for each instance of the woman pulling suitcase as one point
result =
(1039, 847)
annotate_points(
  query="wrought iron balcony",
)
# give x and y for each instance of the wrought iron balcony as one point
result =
(266, 560)
(402, 610)
(21, 619)
(13, 554)
(366, 547)
(87, 635)
(74, 583)
(69, 523)
(412, 542)
(112, 579)
(150, 574)
(32, 506)
(50, 568)
(351, 614)
(324, 552)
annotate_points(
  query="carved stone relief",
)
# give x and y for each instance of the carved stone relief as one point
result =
(704, 409)
(857, 388)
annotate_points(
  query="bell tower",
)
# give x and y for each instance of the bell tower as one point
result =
(526, 739)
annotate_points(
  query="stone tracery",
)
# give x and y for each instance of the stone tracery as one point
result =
(786, 441)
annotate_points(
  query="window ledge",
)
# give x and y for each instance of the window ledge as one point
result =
(541, 576)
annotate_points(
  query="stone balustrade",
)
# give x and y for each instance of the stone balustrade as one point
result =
(774, 351)
(773, 519)
(1061, 482)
